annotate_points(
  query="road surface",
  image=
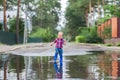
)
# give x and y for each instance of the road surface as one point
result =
(44, 49)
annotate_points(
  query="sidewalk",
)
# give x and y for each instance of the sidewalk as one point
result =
(6, 48)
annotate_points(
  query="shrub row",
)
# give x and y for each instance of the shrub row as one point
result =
(45, 34)
(88, 35)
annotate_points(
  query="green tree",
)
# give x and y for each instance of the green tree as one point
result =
(1, 2)
(113, 9)
(12, 23)
(18, 3)
(46, 13)
(76, 15)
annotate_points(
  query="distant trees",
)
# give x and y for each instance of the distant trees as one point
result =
(43, 13)
(113, 9)
(47, 12)
(46, 19)
(76, 14)
(1, 2)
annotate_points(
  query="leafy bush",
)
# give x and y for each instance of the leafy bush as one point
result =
(109, 44)
(46, 34)
(85, 31)
(12, 23)
(80, 39)
(113, 10)
(90, 35)
(107, 32)
(101, 20)
(94, 40)
(118, 44)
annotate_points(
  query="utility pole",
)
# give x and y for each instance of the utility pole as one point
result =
(103, 2)
(98, 9)
(5, 21)
(25, 27)
(90, 11)
(90, 6)
(17, 23)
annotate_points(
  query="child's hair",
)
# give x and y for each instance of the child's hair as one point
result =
(60, 33)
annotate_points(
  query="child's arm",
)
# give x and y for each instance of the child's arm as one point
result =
(64, 42)
(51, 43)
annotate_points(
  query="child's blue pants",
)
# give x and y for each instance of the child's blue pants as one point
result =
(60, 52)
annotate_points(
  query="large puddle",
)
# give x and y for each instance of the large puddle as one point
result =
(93, 66)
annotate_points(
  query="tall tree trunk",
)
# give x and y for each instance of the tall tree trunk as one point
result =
(17, 23)
(5, 21)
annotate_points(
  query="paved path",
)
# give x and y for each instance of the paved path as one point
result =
(7, 48)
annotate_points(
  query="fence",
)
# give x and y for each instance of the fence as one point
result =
(114, 24)
(10, 38)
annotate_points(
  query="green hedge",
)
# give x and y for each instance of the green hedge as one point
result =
(45, 34)
(80, 39)
(89, 35)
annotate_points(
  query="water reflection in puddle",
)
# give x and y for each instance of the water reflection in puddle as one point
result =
(94, 66)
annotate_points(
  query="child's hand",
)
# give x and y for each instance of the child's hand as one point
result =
(51, 43)
(64, 43)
